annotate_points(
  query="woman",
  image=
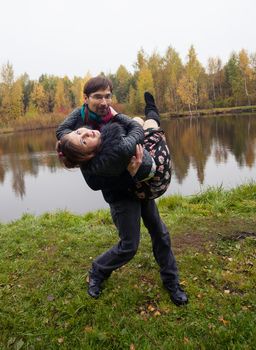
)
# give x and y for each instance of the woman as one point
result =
(108, 153)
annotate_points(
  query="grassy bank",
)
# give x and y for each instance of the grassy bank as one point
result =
(53, 120)
(34, 122)
(44, 264)
(212, 111)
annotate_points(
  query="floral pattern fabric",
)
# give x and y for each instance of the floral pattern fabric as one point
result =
(155, 144)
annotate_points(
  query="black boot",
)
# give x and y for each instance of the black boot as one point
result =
(151, 111)
(94, 287)
(177, 294)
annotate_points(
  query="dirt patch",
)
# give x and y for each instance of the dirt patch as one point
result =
(237, 236)
(207, 231)
(190, 240)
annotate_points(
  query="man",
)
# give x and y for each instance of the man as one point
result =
(125, 209)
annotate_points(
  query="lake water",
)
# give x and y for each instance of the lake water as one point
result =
(206, 151)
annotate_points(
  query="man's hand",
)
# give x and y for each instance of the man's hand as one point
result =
(136, 161)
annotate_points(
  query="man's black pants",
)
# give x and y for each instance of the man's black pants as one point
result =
(126, 215)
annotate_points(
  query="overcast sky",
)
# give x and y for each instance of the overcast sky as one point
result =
(64, 37)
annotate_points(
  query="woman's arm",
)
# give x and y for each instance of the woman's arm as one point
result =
(119, 140)
(123, 181)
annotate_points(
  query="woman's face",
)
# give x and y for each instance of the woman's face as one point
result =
(88, 139)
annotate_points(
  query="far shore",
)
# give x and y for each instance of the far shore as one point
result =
(47, 121)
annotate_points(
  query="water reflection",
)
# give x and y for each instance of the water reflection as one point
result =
(205, 151)
(192, 141)
(24, 153)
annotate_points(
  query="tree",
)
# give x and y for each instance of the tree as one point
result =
(122, 84)
(186, 91)
(27, 87)
(10, 95)
(38, 101)
(144, 83)
(246, 71)
(234, 77)
(155, 65)
(194, 71)
(49, 83)
(191, 86)
(212, 71)
(173, 69)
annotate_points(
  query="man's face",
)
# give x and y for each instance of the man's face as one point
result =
(99, 101)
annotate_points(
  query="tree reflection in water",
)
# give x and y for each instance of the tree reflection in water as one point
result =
(191, 141)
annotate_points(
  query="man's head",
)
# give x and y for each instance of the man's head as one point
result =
(98, 94)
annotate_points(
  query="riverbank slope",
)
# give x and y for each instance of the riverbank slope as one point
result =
(44, 263)
(53, 120)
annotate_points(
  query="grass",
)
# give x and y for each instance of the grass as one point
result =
(212, 111)
(33, 122)
(44, 263)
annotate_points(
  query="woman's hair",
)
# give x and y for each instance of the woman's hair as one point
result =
(70, 154)
(98, 83)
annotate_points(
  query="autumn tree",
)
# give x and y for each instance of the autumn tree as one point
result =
(122, 84)
(144, 83)
(156, 65)
(173, 69)
(10, 94)
(62, 95)
(49, 83)
(186, 92)
(246, 71)
(38, 100)
(191, 87)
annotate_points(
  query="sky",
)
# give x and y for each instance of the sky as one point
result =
(63, 37)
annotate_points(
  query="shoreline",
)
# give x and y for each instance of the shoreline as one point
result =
(42, 122)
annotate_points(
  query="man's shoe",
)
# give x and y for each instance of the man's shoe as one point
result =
(177, 294)
(94, 287)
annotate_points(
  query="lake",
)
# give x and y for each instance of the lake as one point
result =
(206, 151)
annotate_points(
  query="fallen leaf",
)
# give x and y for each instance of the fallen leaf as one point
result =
(151, 308)
(88, 329)
(157, 313)
(186, 340)
(226, 291)
(132, 347)
(225, 322)
(61, 340)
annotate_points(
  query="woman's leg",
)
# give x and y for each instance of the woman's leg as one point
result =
(147, 124)
(139, 120)
(151, 111)
(150, 124)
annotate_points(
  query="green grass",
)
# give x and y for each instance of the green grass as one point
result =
(44, 263)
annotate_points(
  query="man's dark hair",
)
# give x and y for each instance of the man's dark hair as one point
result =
(98, 83)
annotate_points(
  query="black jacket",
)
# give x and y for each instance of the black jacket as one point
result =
(114, 188)
(119, 139)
